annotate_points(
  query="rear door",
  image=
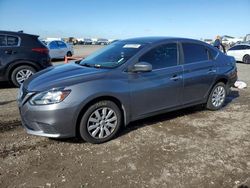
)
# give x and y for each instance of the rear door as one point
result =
(161, 88)
(63, 48)
(3, 43)
(198, 74)
(9, 46)
(54, 50)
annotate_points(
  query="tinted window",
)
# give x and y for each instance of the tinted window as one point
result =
(12, 41)
(238, 47)
(194, 53)
(247, 47)
(53, 45)
(2, 40)
(213, 53)
(161, 56)
(61, 44)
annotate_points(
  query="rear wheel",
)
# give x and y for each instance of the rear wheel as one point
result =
(246, 59)
(20, 74)
(217, 97)
(69, 54)
(101, 122)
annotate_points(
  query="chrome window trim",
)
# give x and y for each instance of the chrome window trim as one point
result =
(7, 35)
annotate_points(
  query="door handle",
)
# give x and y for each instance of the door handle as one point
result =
(9, 52)
(176, 77)
(210, 71)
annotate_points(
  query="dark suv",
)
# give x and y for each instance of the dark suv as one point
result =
(21, 55)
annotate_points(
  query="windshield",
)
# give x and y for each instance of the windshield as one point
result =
(113, 55)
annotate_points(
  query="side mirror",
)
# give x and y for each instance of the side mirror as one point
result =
(142, 67)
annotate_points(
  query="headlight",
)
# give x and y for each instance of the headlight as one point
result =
(50, 97)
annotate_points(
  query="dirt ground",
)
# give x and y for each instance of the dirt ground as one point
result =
(186, 148)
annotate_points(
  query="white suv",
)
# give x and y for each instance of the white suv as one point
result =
(241, 52)
(59, 49)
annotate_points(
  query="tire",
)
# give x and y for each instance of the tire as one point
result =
(21, 73)
(98, 125)
(69, 54)
(246, 59)
(217, 97)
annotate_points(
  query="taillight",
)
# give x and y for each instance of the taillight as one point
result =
(40, 50)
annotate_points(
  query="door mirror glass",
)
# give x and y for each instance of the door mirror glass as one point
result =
(142, 67)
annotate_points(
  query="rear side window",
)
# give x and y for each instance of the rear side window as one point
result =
(213, 53)
(53, 45)
(2, 40)
(194, 53)
(12, 41)
(61, 44)
(161, 56)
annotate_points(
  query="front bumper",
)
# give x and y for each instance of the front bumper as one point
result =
(55, 121)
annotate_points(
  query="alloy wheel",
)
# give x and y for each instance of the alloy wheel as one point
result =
(218, 96)
(23, 75)
(102, 122)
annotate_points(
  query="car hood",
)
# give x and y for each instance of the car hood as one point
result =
(62, 76)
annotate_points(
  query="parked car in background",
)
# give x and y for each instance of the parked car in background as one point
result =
(247, 38)
(87, 41)
(21, 55)
(59, 49)
(209, 41)
(241, 52)
(126, 81)
(228, 40)
(102, 42)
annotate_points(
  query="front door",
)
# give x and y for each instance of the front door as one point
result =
(161, 88)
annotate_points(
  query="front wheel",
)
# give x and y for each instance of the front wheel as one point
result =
(20, 74)
(69, 54)
(101, 122)
(217, 97)
(246, 59)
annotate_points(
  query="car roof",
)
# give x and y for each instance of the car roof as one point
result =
(245, 44)
(159, 39)
(16, 33)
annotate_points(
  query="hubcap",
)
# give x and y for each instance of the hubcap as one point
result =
(102, 122)
(23, 75)
(218, 96)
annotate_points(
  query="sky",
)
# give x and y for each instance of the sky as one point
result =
(119, 19)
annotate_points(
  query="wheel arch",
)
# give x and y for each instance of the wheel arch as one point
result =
(19, 63)
(93, 101)
(217, 80)
(244, 56)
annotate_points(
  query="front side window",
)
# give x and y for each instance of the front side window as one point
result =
(112, 55)
(162, 56)
(12, 41)
(53, 45)
(237, 47)
(61, 44)
(2, 40)
(194, 53)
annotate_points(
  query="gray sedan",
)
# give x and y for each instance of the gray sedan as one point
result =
(123, 82)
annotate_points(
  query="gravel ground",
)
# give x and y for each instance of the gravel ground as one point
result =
(186, 148)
